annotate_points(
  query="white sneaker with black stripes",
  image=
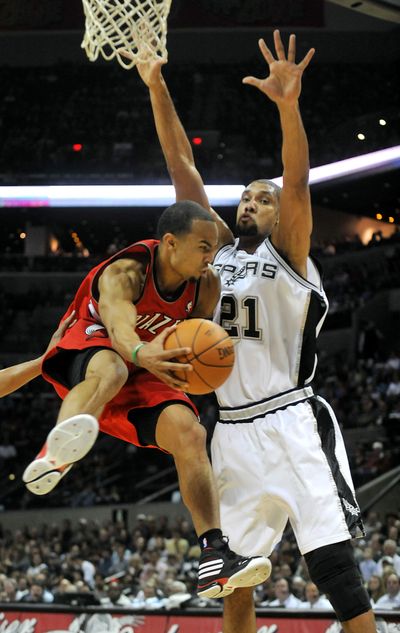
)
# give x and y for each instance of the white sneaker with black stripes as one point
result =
(221, 571)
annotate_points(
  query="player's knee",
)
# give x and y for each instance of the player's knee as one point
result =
(190, 435)
(116, 378)
(111, 378)
(334, 570)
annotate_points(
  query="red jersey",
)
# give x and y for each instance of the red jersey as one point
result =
(155, 312)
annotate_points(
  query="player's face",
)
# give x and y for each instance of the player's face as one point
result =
(258, 210)
(194, 251)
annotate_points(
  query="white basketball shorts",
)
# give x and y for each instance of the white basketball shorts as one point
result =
(289, 464)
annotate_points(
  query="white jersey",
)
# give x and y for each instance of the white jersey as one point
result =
(275, 316)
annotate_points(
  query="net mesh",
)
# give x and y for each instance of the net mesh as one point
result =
(139, 27)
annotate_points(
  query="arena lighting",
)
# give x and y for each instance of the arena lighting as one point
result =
(163, 195)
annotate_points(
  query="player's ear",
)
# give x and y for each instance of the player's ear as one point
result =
(169, 240)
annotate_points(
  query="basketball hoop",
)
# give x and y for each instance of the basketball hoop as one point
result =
(136, 26)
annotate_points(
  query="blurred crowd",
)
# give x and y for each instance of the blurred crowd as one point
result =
(154, 565)
(44, 112)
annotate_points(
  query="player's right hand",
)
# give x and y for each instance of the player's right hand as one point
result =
(150, 70)
(155, 359)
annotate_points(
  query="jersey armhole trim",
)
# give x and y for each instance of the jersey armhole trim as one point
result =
(289, 269)
(223, 248)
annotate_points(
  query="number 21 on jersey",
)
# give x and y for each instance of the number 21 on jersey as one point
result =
(240, 318)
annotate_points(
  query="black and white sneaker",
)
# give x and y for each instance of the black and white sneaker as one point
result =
(221, 571)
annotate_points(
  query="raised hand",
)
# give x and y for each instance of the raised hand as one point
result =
(283, 85)
(60, 331)
(150, 70)
(159, 361)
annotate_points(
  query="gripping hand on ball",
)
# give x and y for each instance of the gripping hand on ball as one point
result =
(159, 361)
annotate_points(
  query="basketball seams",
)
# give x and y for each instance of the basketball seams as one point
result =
(206, 376)
(178, 344)
(207, 349)
(203, 351)
(200, 325)
(203, 380)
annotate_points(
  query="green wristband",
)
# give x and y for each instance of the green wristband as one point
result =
(135, 353)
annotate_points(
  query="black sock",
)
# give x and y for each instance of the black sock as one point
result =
(211, 538)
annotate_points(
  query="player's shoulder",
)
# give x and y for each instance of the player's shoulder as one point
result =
(129, 265)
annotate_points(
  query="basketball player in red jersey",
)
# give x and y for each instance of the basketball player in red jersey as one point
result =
(111, 366)
(277, 449)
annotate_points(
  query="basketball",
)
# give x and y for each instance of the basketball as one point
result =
(212, 356)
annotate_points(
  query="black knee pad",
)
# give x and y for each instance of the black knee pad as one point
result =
(334, 570)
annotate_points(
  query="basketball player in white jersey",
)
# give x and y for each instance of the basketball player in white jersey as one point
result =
(277, 449)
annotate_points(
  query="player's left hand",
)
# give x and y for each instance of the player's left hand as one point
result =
(60, 331)
(283, 85)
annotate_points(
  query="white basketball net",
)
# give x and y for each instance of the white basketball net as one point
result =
(137, 26)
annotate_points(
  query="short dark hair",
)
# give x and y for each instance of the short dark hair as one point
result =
(178, 218)
(277, 189)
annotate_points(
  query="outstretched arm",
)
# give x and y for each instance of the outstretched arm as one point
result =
(176, 146)
(12, 378)
(283, 87)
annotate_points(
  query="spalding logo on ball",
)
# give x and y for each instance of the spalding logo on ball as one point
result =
(212, 356)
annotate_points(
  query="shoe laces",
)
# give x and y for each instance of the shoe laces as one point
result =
(230, 554)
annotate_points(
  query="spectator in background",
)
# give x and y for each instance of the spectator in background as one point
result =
(37, 565)
(368, 566)
(391, 599)
(393, 390)
(148, 597)
(375, 589)
(283, 596)
(8, 590)
(375, 543)
(36, 594)
(389, 557)
(115, 597)
(314, 600)
(22, 588)
(298, 587)
(176, 594)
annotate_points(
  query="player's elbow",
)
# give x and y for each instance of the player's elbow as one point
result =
(183, 167)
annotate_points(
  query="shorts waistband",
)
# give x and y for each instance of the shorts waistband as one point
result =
(250, 412)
